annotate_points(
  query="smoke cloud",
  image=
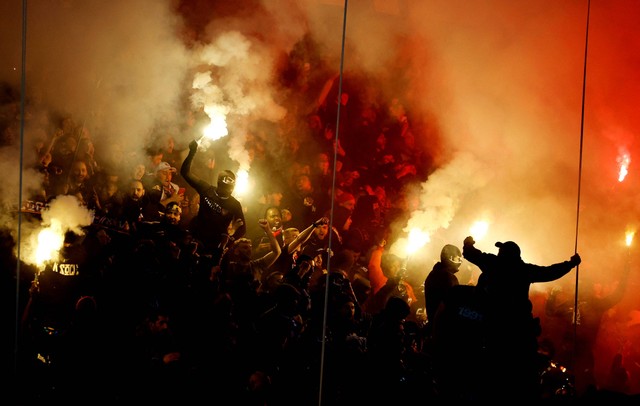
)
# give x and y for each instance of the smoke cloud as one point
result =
(525, 121)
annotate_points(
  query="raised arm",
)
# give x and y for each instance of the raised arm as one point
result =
(555, 271)
(185, 170)
(305, 234)
(270, 257)
(238, 227)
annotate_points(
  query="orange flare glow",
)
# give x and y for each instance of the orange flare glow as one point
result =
(479, 229)
(629, 237)
(623, 160)
(416, 240)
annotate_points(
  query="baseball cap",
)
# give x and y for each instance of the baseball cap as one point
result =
(164, 166)
(509, 247)
(345, 197)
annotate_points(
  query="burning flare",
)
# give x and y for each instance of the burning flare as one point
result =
(217, 128)
(629, 237)
(478, 230)
(50, 241)
(416, 240)
(623, 161)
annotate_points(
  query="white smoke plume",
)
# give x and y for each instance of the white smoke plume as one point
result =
(493, 89)
(499, 81)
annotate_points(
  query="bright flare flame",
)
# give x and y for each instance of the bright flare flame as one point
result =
(50, 241)
(629, 237)
(242, 183)
(416, 240)
(623, 160)
(217, 128)
(479, 229)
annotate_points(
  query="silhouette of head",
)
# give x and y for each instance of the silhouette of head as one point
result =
(226, 183)
(508, 250)
(397, 308)
(451, 256)
(392, 266)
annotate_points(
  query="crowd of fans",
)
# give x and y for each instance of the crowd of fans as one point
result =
(292, 301)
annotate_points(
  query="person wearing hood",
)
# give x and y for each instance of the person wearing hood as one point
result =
(441, 278)
(220, 216)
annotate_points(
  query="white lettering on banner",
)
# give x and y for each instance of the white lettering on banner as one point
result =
(66, 269)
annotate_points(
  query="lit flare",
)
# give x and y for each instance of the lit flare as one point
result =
(479, 229)
(629, 237)
(416, 240)
(217, 127)
(624, 159)
(50, 241)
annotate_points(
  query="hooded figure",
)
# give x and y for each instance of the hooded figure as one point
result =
(220, 215)
(226, 183)
(441, 278)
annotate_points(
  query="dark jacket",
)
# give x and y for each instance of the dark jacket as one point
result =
(215, 214)
(436, 287)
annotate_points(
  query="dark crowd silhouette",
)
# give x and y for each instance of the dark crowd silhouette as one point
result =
(179, 291)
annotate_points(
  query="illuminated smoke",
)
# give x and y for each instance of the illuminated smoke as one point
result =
(494, 91)
(64, 213)
(243, 73)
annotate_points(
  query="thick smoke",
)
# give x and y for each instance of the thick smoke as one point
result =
(524, 120)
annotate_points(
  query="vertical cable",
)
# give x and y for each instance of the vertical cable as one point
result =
(584, 82)
(333, 190)
(18, 238)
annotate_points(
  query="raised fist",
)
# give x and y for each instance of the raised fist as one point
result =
(575, 259)
(469, 241)
(264, 224)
